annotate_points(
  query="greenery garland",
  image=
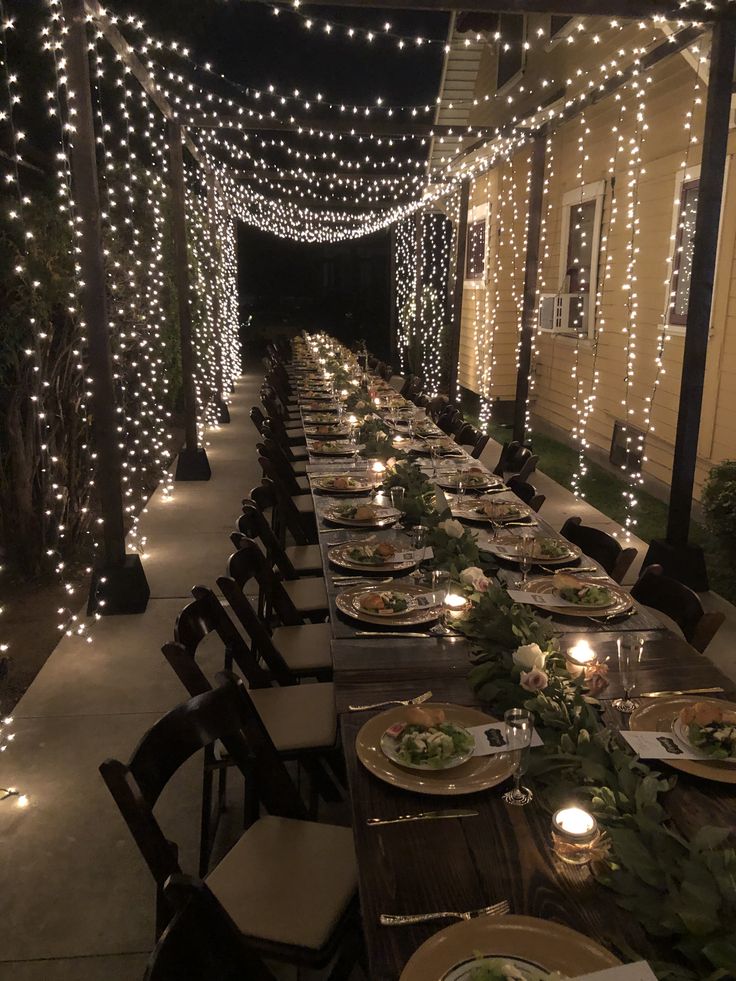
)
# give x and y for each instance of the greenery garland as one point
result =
(682, 893)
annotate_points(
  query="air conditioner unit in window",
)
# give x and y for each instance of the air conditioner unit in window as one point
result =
(564, 312)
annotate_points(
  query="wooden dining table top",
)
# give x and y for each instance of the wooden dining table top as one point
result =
(504, 852)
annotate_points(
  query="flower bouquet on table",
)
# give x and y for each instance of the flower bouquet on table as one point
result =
(419, 492)
(453, 545)
(359, 400)
(373, 434)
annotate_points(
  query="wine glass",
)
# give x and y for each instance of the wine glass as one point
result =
(526, 553)
(630, 649)
(419, 544)
(519, 729)
(440, 582)
(435, 452)
(460, 486)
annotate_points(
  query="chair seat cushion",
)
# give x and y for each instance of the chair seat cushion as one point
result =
(305, 558)
(287, 881)
(299, 452)
(292, 424)
(298, 717)
(302, 480)
(305, 647)
(307, 594)
(304, 503)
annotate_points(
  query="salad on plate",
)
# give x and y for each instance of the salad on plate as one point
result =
(488, 968)
(386, 603)
(582, 593)
(709, 729)
(427, 741)
(379, 554)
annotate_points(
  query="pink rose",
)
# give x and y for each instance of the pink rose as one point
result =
(595, 677)
(534, 680)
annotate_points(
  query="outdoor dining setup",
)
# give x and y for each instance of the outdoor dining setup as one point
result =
(540, 763)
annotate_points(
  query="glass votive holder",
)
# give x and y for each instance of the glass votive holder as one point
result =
(454, 607)
(575, 833)
(579, 657)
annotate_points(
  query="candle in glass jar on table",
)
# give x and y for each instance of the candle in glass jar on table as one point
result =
(453, 607)
(579, 657)
(575, 834)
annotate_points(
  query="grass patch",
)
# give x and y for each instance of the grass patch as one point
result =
(604, 491)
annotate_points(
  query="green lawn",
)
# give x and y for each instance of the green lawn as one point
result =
(604, 491)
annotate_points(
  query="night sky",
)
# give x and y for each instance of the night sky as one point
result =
(342, 288)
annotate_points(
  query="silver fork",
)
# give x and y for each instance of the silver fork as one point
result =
(497, 909)
(395, 701)
(570, 568)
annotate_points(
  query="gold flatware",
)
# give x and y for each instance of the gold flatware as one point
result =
(569, 568)
(685, 691)
(497, 909)
(419, 700)
(392, 633)
(422, 816)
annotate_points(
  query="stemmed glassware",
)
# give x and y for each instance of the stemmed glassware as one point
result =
(526, 553)
(397, 498)
(435, 452)
(419, 543)
(630, 648)
(519, 729)
(440, 582)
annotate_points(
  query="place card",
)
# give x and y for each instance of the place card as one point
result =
(491, 739)
(659, 746)
(424, 600)
(414, 555)
(640, 971)
(440, 499)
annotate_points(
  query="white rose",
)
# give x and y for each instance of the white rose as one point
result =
(529, 656)
(452, 528)
(469, 575)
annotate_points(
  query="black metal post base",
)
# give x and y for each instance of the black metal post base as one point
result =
(193, 465)
(685, 563)
(119, 589)
(223, 413)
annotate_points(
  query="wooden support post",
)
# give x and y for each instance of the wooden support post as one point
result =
(192, 463)
(118, 582)
(680, 559)
(461, 245)
(531, 275)
(223, 413)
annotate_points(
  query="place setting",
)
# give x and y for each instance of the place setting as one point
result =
(490, 511)
(333, 447)
(470, 480)
(340, 484)
(352, 514)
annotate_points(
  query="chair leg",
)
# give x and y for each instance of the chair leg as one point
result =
(206, 817)
(352, 952)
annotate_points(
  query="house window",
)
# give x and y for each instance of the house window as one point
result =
(475, 254)
(557, 23)
(683, 258)
(571, 309)
(510, 48)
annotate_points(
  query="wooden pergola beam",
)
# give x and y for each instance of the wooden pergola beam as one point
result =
(633, 9)
(365, 126)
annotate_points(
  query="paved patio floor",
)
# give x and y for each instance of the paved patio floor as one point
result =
(76, 901)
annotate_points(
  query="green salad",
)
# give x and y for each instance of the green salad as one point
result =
(496, 969)
(372, 554)
(587, 595)
(432, 745)
(717, 739)
(552, 548)
(469, 479)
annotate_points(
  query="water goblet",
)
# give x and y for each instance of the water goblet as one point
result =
(440, 582)
(526, 553)
(397, 498)
(460, 486)
(630, 648)
(435, 452)
(419, 544)
(519, 729)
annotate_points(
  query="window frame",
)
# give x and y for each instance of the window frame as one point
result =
(686, 182)
(594, 191)
(513, 79)
(477, 213)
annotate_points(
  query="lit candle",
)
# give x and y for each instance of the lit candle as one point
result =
(453, 607)
(352, 420)
(344, 392)
(574, 834)
(579, 657)
(378, 467)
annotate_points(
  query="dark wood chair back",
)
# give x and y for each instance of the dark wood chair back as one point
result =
(681, 604)
(252, 524)
(257, 418)
(274, 452)
(526, 492)
(408, 380)
(600, 546)
(436, 406)
(206, 615)
(249, 563)
(302, 528)
(470, 436)
(450, 420)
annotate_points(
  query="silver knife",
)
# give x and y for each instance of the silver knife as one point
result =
(423, 816)
(685, 691)
(388, 633)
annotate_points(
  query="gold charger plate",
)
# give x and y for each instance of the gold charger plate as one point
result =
(659, 714)
(346, 602)
(466, 509)
(312, 406)
(361, 486)
(479, 773)
(330, 431)
(485, 482)
(449, 449)
(508, 550)
(385, 517)
(340, 555)
(543, 944)
(347, 449)
(621, 603)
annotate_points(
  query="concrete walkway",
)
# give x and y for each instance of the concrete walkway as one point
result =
(76, 901)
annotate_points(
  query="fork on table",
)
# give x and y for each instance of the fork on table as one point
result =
(419, 700)
(497, 909)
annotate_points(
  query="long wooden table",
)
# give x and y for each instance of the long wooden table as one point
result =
(504, 852)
